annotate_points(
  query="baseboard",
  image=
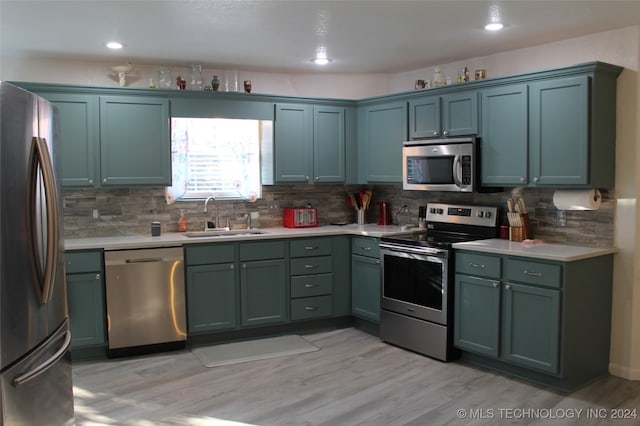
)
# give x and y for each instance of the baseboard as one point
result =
(624, 371)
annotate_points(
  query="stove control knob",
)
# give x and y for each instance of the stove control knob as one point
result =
(432, 210)
(480, 213)
(440, 211)
(487, 214)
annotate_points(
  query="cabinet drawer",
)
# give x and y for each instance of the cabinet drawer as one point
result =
(365, 246)
(310, 247)
(262, 250)
(530, 272)
(311, 285)
(311, 265)
(311, 307)
(83, 261)
(206, 254)
(478, 264)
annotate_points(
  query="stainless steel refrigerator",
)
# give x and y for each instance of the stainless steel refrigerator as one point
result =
(35, 364)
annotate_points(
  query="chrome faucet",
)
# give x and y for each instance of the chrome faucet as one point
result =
(216, 211)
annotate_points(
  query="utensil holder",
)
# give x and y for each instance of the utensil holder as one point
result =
(360, 217)
(516, 233)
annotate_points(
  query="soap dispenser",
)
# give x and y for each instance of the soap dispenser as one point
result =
(182, 222)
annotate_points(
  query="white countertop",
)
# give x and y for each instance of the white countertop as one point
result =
(176, 239)
(548, 251)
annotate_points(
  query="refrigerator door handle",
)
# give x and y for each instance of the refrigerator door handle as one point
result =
(41, 170)
(44, 366)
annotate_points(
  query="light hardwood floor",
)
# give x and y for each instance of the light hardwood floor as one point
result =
(355, 379)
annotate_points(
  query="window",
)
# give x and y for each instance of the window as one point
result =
(217, 156)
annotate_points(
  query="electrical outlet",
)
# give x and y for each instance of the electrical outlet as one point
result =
(274, 205)
(562, 218)
(95, 214)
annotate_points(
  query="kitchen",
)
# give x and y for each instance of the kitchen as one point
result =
(599, 228)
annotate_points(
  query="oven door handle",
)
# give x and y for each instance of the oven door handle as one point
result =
(425, 251)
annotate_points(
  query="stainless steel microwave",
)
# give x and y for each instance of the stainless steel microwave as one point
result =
(439, 164)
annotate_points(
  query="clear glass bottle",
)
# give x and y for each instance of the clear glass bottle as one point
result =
(164, 78)
(195, 82)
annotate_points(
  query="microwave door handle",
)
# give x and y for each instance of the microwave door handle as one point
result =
(457, 171)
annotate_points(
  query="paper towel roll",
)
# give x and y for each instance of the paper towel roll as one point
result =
(588, 199)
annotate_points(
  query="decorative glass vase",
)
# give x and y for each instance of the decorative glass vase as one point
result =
(195, 82)
(215, 83)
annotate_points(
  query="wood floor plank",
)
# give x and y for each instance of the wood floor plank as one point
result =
(355, 379)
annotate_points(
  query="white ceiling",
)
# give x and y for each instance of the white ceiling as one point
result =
(361, 36)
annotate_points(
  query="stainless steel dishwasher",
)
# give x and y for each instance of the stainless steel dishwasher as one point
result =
(145, 297)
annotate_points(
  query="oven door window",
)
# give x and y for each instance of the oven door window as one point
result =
(430, 170)
(415, 281)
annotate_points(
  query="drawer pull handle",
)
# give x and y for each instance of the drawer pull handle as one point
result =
(311, 248)
(476, 265)
(533, 274)
(366, 248)
(310, 285)
(310, 266)
(311, 308)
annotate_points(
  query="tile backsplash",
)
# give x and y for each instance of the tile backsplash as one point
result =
(130, 211)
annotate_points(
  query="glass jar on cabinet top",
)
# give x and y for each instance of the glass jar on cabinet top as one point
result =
(164, 78)
(195, 81)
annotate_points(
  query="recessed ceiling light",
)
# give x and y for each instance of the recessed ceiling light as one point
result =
(114, 45)
(321, 61)
(494, 26)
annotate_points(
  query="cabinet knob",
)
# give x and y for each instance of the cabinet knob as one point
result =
(507, 287)
(232, 266)
(377, 262)
(436, 133)
(307, 178)
(317, 178)
(90, 181)
(522, 179)
(104, 180)
(445, 133)
(536, 179)
(244, 266)
(97, 277)
(495, 285)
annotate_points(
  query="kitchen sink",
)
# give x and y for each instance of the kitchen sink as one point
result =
(231, 233)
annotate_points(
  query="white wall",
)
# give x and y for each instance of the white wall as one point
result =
(620, 47)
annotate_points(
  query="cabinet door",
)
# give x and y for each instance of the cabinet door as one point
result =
(329, 144)
(384, 130)
(294, 143)
(78, 118)
(365, 287)
(263, 292)
(424, 117)
(134, 141)
(504, 143)
(211, 297)
(460, 114)
(85, 297)
(531, 327)
(477, 315)
(559, 133)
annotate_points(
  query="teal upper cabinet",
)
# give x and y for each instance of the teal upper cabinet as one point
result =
(504, 157)
(454, 114)
(559, 132)
(134, 141)
(551, 130)
(309, 144)
(78, 118)
(382, 128)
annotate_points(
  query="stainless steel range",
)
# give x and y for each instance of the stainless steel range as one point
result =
(417, 278)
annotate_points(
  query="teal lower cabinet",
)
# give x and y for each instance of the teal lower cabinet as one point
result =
(212, 289)
(311, 267)
(546, 321)
(365, 278)
(263, 283)
(85, 298)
